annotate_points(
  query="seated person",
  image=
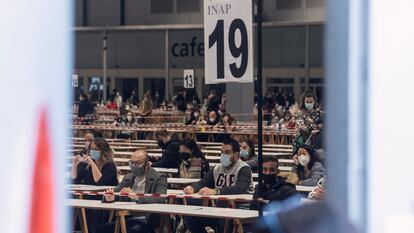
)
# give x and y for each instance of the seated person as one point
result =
(307, 166)
(274, 187)
(170, 145)
(129, 120)
(248, 155)
(231, 176)
(96, 167)
(287, 121)
(193, 117)
(111, 105)
(226, 122)
(274, 118)
(142, 179)
(213, 119)
(194, 164)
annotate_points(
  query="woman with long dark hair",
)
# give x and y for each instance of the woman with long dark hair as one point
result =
(307, 166)
(193, 162)
(96, 167)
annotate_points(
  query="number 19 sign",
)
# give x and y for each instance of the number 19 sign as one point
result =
(228, 41)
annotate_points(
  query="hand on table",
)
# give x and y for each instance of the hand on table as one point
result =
(109, 195)
(125, 191)
(207, 191)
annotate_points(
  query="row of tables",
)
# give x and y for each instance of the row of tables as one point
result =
(271, 135)
(123, 209)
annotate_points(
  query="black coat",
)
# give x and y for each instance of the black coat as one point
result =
(213, 104)
(280, 190)
(85, 108)
(170, 155)
(108, 171)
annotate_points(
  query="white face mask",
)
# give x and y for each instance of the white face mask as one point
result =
(303, 160)
(129, 118)
(309, 106)
(196, 114)
(212, 119)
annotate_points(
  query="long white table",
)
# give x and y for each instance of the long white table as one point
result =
(164, 209)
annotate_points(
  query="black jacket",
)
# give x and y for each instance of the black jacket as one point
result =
(170, 154)
(85, 176)
(214, 104)
(280, 190)
(85, 108)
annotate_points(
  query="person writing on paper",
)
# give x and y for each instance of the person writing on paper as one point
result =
(96, 167)
(231, 176)
(307, 166)
(142, 179)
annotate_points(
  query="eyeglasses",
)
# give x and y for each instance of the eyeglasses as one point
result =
(136, 163)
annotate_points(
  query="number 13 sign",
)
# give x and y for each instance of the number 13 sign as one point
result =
(228, 41)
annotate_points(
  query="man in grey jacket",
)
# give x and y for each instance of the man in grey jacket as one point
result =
(231, 176)
(142, 179)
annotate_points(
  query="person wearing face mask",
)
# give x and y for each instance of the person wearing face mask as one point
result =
(287, 121)
(309, 110)
(97, 167)
(212, 120)
(145, 108)
(193, 117)
(307, 166)
(85, 107)
(170, 145)
(194, 164)
(231, 176)
(274, 186)
(248, 154)
(142, 179)
(129, 120)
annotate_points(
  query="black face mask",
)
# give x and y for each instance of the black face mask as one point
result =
(161, 144)
(269, 179)
(185, 156)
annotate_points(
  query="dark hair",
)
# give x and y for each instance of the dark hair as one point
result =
(192, 145)
(252, 150)
(269, 158)
(107, 153)
(312, 154)
(307, 94)
(162, 133)
(97, 134)
(83, 95)
(235, 146)
(230, 119)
